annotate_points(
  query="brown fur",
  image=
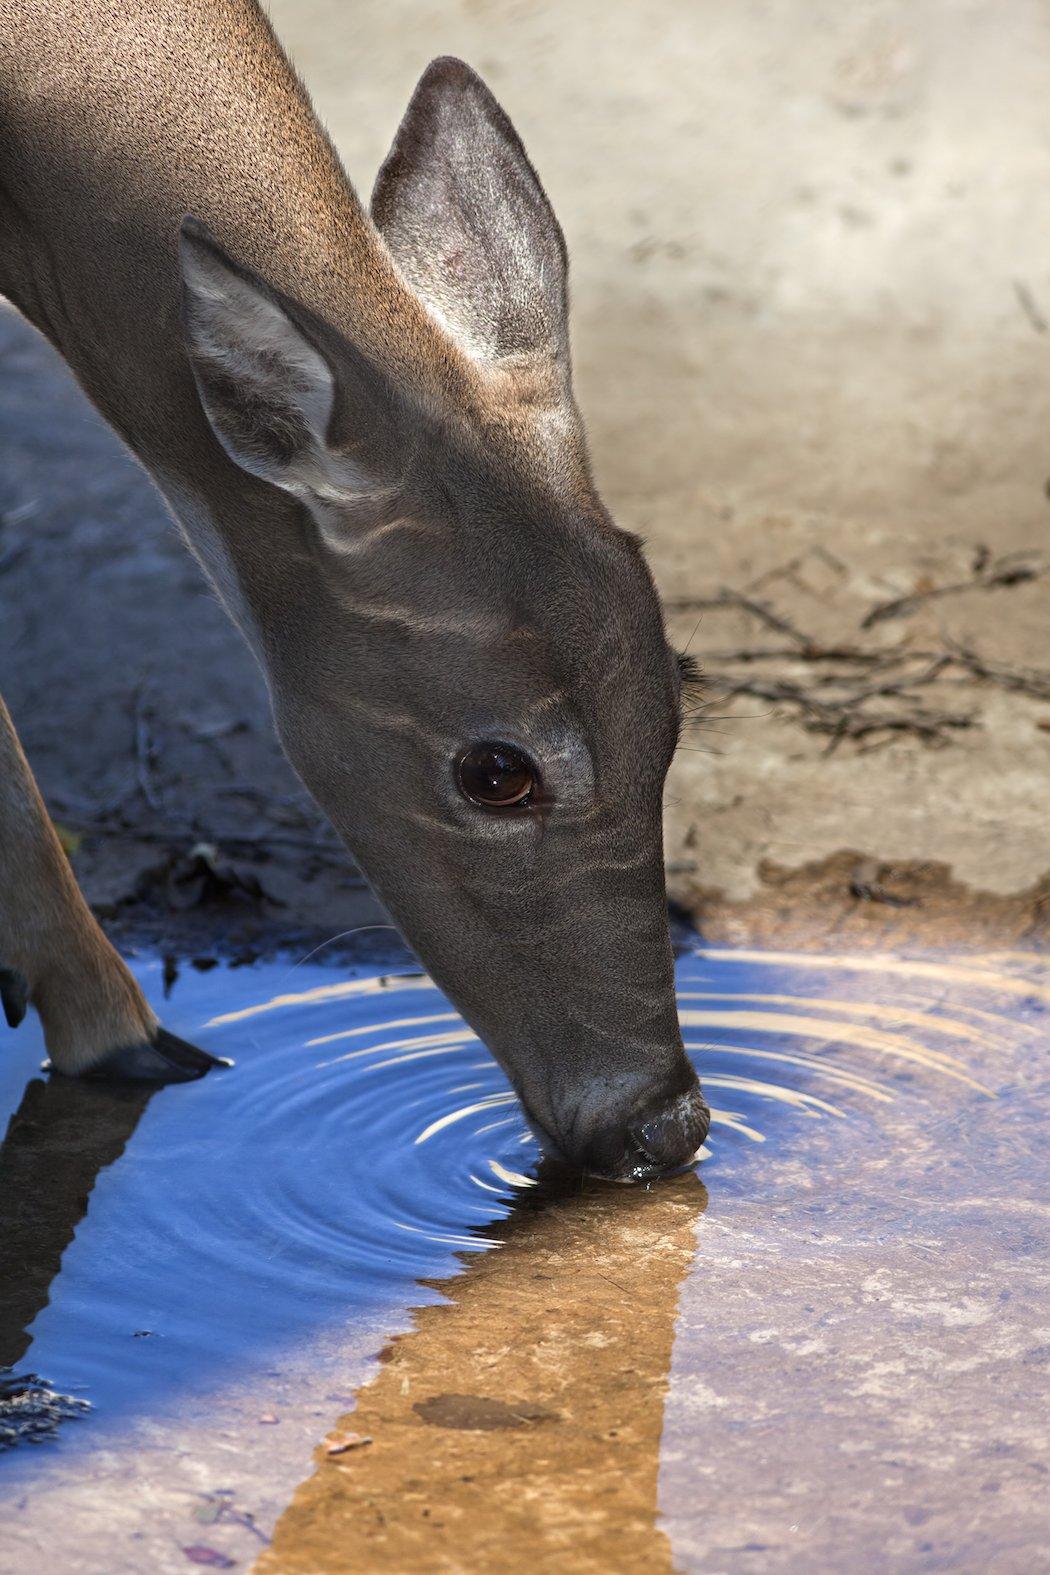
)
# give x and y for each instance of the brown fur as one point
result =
(117, 119)
(366, 429)
(88, 1002)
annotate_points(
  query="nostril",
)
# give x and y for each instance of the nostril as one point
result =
(671, 1135)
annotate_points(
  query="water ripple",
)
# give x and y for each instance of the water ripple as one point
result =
(365, 1138)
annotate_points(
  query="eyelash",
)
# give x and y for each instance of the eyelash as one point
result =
(691, 688)
(692, 679)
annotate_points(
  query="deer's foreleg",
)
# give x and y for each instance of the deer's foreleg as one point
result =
(54, 957)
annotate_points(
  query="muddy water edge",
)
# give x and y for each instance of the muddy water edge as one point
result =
(824, 1353)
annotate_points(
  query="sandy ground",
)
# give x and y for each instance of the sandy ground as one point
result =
(811, 299)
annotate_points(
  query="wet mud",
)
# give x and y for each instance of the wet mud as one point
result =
(850, 899)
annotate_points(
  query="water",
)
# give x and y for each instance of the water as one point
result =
(363, 1136)
(859, 1373)
(245, 1233)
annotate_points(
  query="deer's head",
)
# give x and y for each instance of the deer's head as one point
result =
(470, 671)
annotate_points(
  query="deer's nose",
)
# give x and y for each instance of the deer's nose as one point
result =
(649, 1137)
(669, 1135)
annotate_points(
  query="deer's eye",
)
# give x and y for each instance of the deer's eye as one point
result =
(498, 776)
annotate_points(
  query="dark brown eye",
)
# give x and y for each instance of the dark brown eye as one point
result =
(496, 775)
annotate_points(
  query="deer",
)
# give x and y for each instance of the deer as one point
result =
(363, 424)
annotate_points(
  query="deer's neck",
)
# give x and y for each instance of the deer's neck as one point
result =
(121, 116)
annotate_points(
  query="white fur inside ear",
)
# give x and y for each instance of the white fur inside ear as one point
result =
(266, 390)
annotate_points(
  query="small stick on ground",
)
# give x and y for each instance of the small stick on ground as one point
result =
(730, 598)
(845, 704)
(1027, 302)
(998, 575)
(1021, 680)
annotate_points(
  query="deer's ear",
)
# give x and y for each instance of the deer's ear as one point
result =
(469, 224)
(267, 391)
(274, 382)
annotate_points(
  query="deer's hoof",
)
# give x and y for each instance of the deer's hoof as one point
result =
(163, 1059)
(14, 996)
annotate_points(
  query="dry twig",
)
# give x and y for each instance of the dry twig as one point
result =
(986, 577)
(843, 689)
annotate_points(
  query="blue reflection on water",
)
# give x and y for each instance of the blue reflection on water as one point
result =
(217, 1222)
(151, 1245)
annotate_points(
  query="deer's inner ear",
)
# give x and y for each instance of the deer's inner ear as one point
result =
(266, 390)
(462, 210)
(303, 410)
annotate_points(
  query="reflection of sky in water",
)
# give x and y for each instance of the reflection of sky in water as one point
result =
(310, 1186)
(365, 1137)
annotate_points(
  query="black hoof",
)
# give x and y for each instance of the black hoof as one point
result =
(14, 996)
(162, 1059)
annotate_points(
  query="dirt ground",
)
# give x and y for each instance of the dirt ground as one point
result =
(811, 283)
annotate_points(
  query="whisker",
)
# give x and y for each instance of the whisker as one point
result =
(342, 936)
(692, 637)
(728, 716)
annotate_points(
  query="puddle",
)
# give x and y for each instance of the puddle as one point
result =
(152, 1243)
(802, 1340)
